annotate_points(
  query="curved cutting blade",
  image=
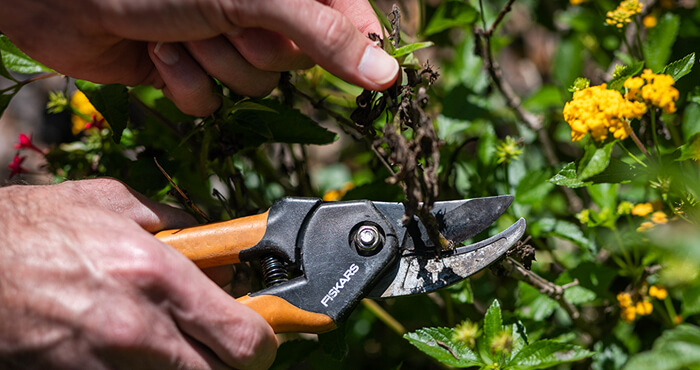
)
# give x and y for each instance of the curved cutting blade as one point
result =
(416, 273)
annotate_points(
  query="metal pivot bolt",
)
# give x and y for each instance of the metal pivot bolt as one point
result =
(367, 238)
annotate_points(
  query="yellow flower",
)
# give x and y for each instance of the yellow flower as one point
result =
(628, 314)
(644, 308)
(624, 299)
(502, 342)
(642, 209)
(650, 21)
(466, 332)
(508, 150)
(80, 103)
(622, 15)
(584, 216)
(333, 195)
(645, 226)
(653, 89)
(601, 111)
(624, 208)
(659, 217)
(678, 319)
(657, 292)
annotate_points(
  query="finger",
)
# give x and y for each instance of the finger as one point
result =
(328, 37)
(115, 196)
(186, 84)
(360, 13)
(238, 335)
(269, 51)
(221, 60)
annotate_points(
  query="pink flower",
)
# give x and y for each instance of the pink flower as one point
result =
(16, 166)
(98, 123)
(25, 142)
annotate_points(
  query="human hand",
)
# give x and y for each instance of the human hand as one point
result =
(176, 45)
(84, 284)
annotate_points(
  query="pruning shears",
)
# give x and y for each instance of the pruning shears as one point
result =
(344, 252)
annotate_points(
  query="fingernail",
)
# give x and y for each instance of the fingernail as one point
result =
(167, 53)
(378, 66)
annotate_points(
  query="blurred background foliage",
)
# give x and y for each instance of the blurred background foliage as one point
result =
(613, 222)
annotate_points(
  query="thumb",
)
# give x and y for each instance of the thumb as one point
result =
(329, 38)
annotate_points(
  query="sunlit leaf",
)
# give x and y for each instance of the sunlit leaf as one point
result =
(680, 67)
(15, 60)
(438, 343)
(678, 348)
(451, 13)
(626, 72)
(546, 354)
(407, 49)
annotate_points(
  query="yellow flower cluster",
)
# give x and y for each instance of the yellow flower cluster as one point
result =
(601, 111)
(643, 210)
(466, 332)
(630, 309)
(654, 89)
(623, 14)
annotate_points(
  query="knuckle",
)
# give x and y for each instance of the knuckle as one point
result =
(335, 38)
(256, 347)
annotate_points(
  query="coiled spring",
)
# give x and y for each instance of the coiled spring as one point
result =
(273, 271)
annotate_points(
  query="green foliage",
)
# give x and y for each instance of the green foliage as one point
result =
(678, 348)
(112, 101)
(17, 61)
(451, 13)
(518, 353)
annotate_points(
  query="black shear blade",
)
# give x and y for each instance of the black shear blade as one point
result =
(420, 273)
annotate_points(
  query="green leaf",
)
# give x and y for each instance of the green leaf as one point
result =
(533, 304)
(407, 49)
(680, 67)
(251, 105)
(493, 322)
(678, 348)
(438, 343)
(533, 187)
(547, 97)
(5, 99)
(462, 292)
(568, 62)
(547, 353)
(15, 60)
(691, 120)
(452, 13)
(279, 123)
(567, 177)
(628, 71)
(691, 301)
(660, 40)
(3, 70)
(595, 160)
(617, 172)
(112, 101)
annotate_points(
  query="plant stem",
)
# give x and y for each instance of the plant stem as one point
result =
(625, 254)
(653, 133)
(624, 149)
(384, 316)
(639, 144)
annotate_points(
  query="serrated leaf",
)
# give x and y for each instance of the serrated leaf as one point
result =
(660, 40)
(567, 177)
(112, 101)
(680, 67)
(438, 343)
(16, 60)
(628, 71)
(452, 13)
(547, 353)
(493, 321)
(678, 348)
(407, 49)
